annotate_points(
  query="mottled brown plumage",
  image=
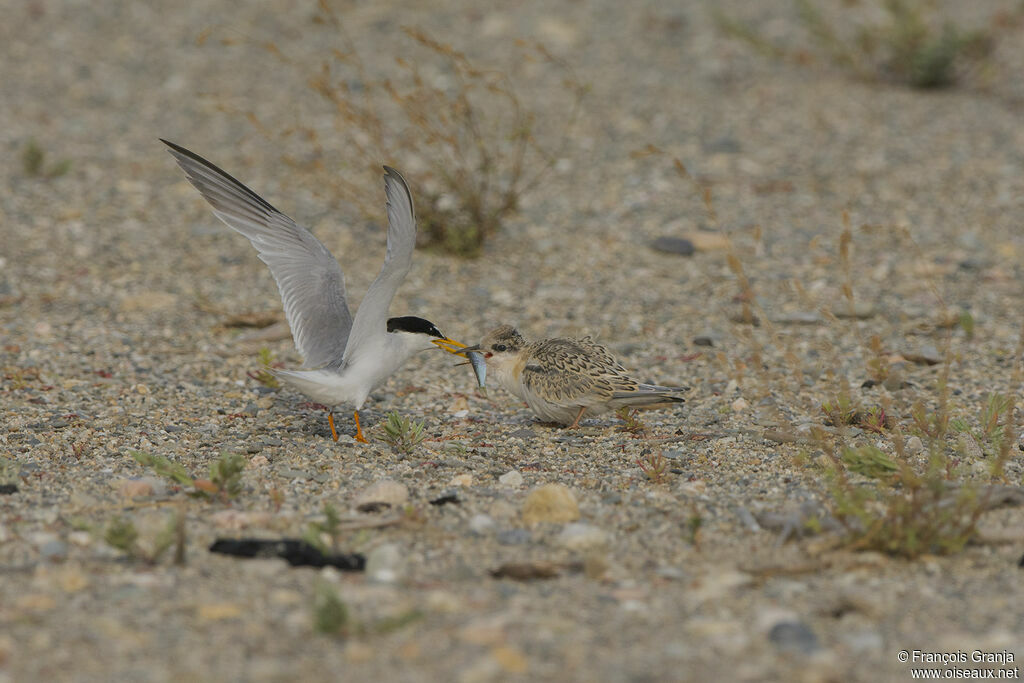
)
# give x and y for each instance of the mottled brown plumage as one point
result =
(564, 380)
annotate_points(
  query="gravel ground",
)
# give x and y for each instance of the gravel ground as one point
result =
(117, 284)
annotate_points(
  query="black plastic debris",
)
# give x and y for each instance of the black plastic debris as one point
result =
(7, 489)
(295, 552)
(446, 498)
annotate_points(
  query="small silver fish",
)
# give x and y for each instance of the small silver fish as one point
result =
(479, 367)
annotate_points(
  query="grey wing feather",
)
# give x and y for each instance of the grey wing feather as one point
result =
(370, 321)
(309, 278)
(651, 393)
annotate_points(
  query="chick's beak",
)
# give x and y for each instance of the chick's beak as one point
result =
(466, 349)
(449, 345)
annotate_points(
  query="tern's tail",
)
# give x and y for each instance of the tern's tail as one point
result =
(648, 395)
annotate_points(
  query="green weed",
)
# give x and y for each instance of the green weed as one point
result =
(264, 376)
(224, 480)
(402, 433)
(33, 163)
(330, 613)
(902, 41)
(476, 140)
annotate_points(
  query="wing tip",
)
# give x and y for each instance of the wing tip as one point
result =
(392, 175)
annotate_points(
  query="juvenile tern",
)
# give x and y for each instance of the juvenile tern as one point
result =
(563, 380)
(345, 357)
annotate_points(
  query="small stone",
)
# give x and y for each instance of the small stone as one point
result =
(799, 318)
(512, 479)
(70, 579)
(240, 519)
(915, 445)
(673, 245)
(522, 434)
(717, 584)
(925, 355)
(149, 301)
(510, 658)
(670, 573)
(289, 473)
(513, 537)
(384, 563)
(558, 30)
(251, 409)
(739, 405)
(579, 536)
(459, 405)
(461, 480)
(382, 495)
(703, 340)
(705, 240)
(550, 503)
(481, 524)
(864, 641)
(722, 145)
(218, 611)
(140, 487)
(82, 539)
(860, 310)
(794, 636)
(54, 550)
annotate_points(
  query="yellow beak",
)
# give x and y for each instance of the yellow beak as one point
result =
(449, 345)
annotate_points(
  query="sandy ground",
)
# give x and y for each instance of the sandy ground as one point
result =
(116, 283)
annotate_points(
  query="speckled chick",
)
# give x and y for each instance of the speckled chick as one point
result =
(565, 380)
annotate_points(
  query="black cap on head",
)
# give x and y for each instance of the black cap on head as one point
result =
(410, 323)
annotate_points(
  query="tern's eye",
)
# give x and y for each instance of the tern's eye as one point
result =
(500, 347)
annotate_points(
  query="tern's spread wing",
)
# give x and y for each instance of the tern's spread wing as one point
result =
(371, 318)
(310, 280)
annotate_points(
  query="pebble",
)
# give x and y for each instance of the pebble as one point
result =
(54, 550)
(550, 503)
(861, 310)
(799, 318)
(703, 340)
(481, 524)
(794, 636)
(384, 563)
(739, 405)
(289, 473)
(461, 480)
(512, 479)
(718, 584)
(927, 354)
(381, 495)
(914, 445)
(580, 536)
(673, 245)
(863, 641)
(723, 145)
(671, 573)
(705, 240)
(513, 537)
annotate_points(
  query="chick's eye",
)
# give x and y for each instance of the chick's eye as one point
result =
(500, 347)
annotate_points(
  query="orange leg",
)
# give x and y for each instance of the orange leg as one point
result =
(330, 421)
(576, 423)
(359, 430)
